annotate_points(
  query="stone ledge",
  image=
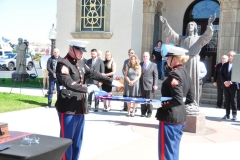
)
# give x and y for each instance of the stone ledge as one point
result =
(195, 123)
(92, 35)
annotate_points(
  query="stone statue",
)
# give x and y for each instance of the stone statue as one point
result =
(21, 56)
(194, 43)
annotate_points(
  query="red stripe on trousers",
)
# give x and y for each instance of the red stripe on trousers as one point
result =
(162, 140)
(62, 131)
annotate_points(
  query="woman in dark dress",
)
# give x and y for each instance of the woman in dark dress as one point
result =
(110, 69)
(157, 57)
(172, 114)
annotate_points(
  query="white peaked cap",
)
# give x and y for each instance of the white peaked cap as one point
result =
(175, 51)
(78, 44)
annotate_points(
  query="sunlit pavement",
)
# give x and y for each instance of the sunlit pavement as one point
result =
(112, 135)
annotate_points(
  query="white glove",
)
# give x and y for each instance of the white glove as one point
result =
(92, 88)
(117, 83)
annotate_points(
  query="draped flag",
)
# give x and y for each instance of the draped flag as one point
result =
(106, 96)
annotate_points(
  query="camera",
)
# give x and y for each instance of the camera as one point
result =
(26, 43)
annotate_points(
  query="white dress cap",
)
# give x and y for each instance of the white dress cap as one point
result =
(175, 51)
(77, 44)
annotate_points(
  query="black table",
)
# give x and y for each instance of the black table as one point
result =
(49, 148)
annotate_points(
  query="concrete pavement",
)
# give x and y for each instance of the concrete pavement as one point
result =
(112, 135)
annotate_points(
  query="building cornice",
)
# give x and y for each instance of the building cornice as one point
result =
(229, 4)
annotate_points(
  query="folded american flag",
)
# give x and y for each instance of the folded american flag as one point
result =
(106, 96)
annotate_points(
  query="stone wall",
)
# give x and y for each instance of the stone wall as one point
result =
(229, 27)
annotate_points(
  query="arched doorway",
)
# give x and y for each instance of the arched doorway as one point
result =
(200, 11)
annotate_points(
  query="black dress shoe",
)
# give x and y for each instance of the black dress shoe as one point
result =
(96, 110)
(124, 109)
(143, 115)
(149, 115)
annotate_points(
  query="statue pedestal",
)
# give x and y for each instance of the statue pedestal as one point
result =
(20, 77)
(4, 132)
(195, 123)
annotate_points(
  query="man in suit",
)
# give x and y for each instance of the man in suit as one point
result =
(229, 88)
(148, 83)
(130, 52)
(218, 82)
(95, 64)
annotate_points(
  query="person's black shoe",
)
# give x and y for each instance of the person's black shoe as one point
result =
(143, 115)
(234, 118)
(218, 107)
(226, 117)
(124, 109)
(96, 110)
(148, 115)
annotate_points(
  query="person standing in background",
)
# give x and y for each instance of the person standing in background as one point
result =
(44, 60)
(110, 69)
(51, 67)
(202, 74)
(99, 54)
(130, 53)
(132, 75)
(229, 88)
(164, 53)
(148, 83)
(218, 82)
(96, 64)
(157, 57)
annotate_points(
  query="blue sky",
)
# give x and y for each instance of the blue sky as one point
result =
(29, 19)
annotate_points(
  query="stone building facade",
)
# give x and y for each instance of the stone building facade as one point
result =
(118, 25)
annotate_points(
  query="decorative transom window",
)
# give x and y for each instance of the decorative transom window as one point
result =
(92, 19)
(204, 9)
(92, 15)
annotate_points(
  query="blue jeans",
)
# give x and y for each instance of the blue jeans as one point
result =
(163, 73)
(52, 82)
(159, 66)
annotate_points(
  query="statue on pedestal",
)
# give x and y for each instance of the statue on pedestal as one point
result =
(21, 56)
(194, 43)
(21, 74)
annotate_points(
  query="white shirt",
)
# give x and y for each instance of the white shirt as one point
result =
(202, 70)
(44, 60)
(146, 63)
(229, 67)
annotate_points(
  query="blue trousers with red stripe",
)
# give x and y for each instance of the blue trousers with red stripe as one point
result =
(169, 137)
(72, 127)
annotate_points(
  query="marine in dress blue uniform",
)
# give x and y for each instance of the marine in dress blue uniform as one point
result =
(71, 102)
(172, 114)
